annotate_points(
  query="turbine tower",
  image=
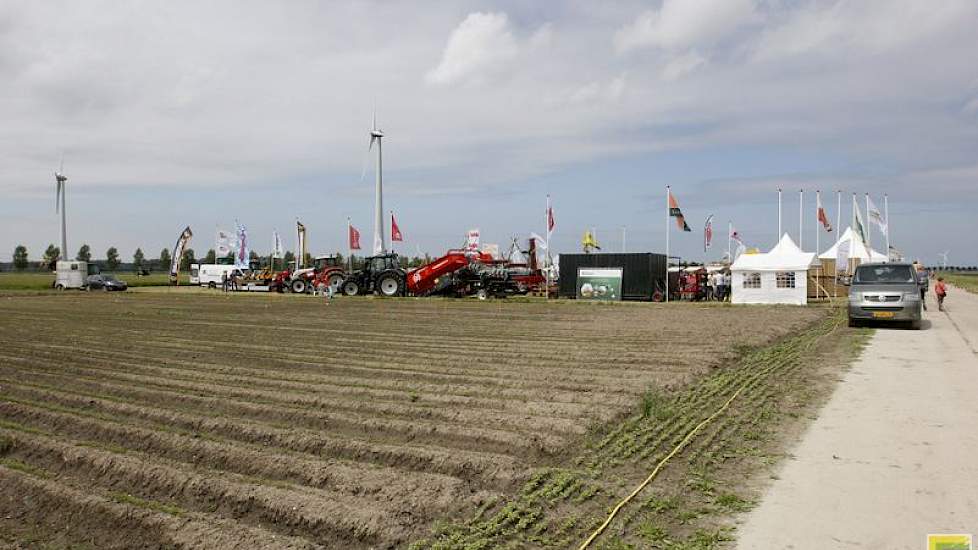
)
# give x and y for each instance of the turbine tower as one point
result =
(380, 241)
(59, 204)
(943, 256)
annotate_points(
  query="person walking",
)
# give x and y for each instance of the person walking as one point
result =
(224, 281)
(923, 282)
(940, 289)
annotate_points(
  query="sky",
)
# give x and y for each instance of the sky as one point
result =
(181, 113)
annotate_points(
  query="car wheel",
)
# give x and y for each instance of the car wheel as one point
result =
(212, 285)
(853, 323)
(351, 288)
(389, 285)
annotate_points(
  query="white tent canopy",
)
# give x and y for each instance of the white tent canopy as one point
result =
(776, 277)
(857, 249)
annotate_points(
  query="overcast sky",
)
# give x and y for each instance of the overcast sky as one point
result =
(199, 113)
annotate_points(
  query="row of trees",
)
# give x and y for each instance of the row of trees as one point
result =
(141, 262)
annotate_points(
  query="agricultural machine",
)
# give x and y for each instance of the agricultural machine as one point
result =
(457, 273)
(326, 270)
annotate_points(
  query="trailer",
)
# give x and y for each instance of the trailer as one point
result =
(643, 273)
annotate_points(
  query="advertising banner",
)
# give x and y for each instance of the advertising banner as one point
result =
(602, 284)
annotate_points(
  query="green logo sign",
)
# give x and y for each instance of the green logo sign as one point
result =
(595, 283)
(949, 542)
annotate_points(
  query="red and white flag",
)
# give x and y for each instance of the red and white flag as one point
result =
(708, 233)
(735, 235)
(820, 213)
(354, 238)
(395, 230)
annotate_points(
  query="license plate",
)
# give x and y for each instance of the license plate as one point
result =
(883, 314)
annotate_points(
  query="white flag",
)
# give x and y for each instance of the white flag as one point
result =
(876, 216)
(842, 254)
(222, 244)
(241, 256)
(472, 239)
(277, 250)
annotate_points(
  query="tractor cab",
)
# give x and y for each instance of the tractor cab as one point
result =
(323, 262)
(378, 264)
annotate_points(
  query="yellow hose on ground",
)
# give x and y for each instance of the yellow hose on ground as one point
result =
(682, 444)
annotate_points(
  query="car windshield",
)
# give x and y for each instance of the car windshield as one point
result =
(884, 274)
(108, 277)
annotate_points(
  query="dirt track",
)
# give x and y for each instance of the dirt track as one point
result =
(276, 421)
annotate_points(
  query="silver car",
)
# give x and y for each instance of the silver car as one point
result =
(887, 293)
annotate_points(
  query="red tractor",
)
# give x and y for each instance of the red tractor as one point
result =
(325, 270)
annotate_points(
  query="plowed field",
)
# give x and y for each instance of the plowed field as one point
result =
(217, 421)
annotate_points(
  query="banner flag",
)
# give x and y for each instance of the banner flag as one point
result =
(241, 256)
(675, 212)
(277, 250)
(708, 233)
(178, 250)
(395, 230)
(735, 235)
(820, 213)
(876, 216)
(550, 217)
(472, 239)
(842, 255)
(223, 243)
(588, 242)
(300, 232)
(354, 238)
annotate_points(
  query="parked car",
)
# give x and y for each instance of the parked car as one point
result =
(104, 281)
(885, 292)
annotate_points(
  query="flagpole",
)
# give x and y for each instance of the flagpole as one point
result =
(546, 256)
(349, 245)
(818, 275)
(668, 194)
(729, 233)
(838, 218)
(886, 212)
(850, 262)
(779, 216)
(623, 229)
(869, 232)
(801, 215)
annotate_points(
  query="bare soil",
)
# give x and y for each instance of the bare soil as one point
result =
(174, 419)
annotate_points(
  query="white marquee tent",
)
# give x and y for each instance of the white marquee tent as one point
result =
(857, 249)
(776, 277)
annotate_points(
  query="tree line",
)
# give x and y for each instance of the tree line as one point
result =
(140, 262)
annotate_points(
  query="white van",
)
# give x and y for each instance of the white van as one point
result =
(210, 275)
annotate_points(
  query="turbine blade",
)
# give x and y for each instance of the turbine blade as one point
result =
(62, 169)
(366, 157)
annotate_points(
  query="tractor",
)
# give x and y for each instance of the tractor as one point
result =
(325, 270)
(382, 273)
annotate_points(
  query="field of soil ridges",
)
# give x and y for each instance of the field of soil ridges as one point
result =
(211, 420)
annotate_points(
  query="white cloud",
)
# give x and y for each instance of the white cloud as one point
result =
(682, 65)
(681, 24)
(480, 44)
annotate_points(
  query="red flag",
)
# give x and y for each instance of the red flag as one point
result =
(824, 219)
(354, 238)
(708, 233)
(395, 231)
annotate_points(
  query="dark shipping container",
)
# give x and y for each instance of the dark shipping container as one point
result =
(642, 272)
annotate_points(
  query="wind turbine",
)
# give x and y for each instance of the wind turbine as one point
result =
(59, 204)
(943, 256)
(380, 241)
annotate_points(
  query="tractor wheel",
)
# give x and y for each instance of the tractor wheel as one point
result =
(351, 288)
(482, 294)
(298, 286)
(389, 285)
(335, 281)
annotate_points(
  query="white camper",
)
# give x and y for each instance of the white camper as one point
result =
(72, 274)
(210, 275)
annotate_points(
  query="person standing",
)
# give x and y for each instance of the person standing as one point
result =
(923, 282)
(711, 284)
(940, 289)
(224, 281)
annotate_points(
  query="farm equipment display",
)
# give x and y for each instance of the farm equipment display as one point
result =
(457, 273)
